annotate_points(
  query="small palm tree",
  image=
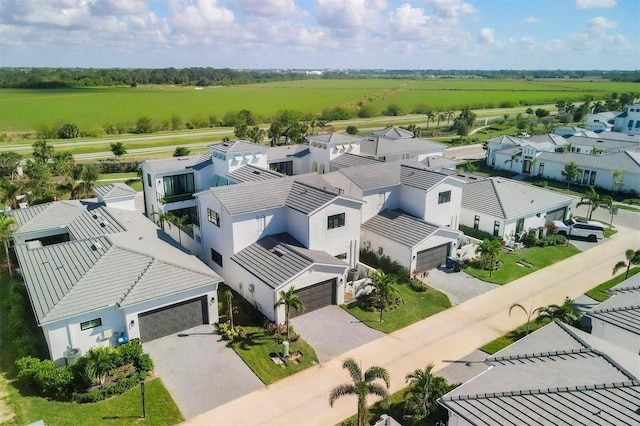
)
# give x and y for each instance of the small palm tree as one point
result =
(593, 200)
(489, 251)
(633, 258)
(290, 300)
(229, 296)
(385, 291)
(565, 313)
(423, 391)
(528, 312)
(9, 192)
(162, 218)
(100, 361)
(362, 387)
(7, 229)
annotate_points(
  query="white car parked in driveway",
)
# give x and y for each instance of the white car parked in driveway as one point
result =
(578, 227)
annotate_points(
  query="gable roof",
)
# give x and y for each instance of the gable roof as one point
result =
(237, 146)
(381, 146)
(509, 199)
(114, 190)
(394, 133)
(628, 161)
(67, 279)
(283, 152)
(401, 227)
(276, 259)
(351, 160)
(572, 378)
(334, 137)
(631, 284)
(438, 161)
(419, 177)
(250, 173)
(174, 164)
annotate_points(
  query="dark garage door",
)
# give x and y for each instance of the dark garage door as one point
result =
(316, 296)
(173, 318)
(432, 258)
(557, 214)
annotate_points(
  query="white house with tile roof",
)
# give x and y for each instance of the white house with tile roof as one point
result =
(629, 121)
(95, 274)
(326, 147)
(116, 195)
(617, 319)
(504, 207)
(556, 375)
(395, 143)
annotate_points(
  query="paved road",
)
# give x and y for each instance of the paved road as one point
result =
(449, 335)
(466, 152)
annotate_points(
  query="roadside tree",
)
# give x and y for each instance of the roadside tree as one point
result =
(42, 151)
(594, 200)
(632, 258)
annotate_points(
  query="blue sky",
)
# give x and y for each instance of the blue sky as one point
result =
(321, 34)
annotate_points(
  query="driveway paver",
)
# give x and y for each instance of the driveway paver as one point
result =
(199, 371)
(458, 286)
(332, 331)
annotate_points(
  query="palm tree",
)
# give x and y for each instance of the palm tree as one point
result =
(255, 134)
(9, 192)
(42, 151)
(441, 117)
(489, 251)
(162, 218)
(594, 200)
(385, 291)
(423, 391)
(229, 296)
(511, 160)
(362, 386)
(565, 313)
(449, 115)
(528, 312)
(430, 116)
(633, 258)
(100, 361)
(180, 222)
(322, 123)
(617, 180)
(290, 300)
(7, 229)
(570, 173)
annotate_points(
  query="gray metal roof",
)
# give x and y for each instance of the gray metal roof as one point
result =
(438, 161)
(464, 176)
(381, 146)
(394, 133)
(622, 310)
(373, 176)
(68, 279)
(174, 164)
(114, 190)
(509, 199)
(352, 160)
(81, 219)
(572, 380)
(631, 284)
(283, 152)
(249, 173)
(237, 146)
(302, 192)
(334, 137)
(401, 227)
(419, 177)
(628, 161)
(278, 258)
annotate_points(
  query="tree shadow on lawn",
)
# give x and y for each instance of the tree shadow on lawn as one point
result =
(252, 339)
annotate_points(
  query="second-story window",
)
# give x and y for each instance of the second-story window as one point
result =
(213, 217)
(178, 185)
(444, 197)
(335, 221)
(149, 180)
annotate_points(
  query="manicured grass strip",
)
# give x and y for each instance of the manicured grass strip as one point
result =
(625, 207)
(416, 306)
(114, 176)
(512, 268)
(599, 293)
(511, 337)
(125, 409)
(256, 347)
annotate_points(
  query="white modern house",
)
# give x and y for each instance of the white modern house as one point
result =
(395, 143)
(506, 208)
(617, 319)
(97, 276)
(628, 121)
(555, 375)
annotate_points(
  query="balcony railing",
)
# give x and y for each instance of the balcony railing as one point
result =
(174, 198)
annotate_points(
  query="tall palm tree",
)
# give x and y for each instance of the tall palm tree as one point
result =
(423, 391)
(594, 200)
(180, 222)
(489, 251)
(565, 313)
(362, 387)
(162, 218)
(228, 295)
(9, 192)
(528, 312)
(42, 151)
(449, 115)
(441, 117)
(430, 116)
(100, 361)
(7, 229)
(384, 289)
(290, 300)
(633, 258)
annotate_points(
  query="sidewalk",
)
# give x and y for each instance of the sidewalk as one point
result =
(449, 335)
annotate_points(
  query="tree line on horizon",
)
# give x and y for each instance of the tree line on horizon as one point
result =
(60, 78)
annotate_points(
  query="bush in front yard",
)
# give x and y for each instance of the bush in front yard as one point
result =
(44, 378)
(417, 285)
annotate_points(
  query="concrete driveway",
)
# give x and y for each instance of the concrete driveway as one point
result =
(332, 331)
(199, 371)
(458, 286)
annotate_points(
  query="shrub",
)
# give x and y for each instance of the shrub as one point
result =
(68, 131)
(237, 333)
(45, 377)
(552, 240)
(476, 233)
(120, 386)
(529, 239)
(384, 263)
(392, 110)
(143, 125)
(352, 130)
(417, 285)
(367, 111)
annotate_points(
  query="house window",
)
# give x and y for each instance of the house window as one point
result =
(630, 124)
(541, 169)
(335, 221)
(178, 185)
(321, 169)
(216, 257)
(520, 225)
(213, 217)
(592, 178)
(585, 177)
(476, 222)
(191, 214)
(149, 179)
(314, 167)
(444, 197)
(91, 324)
(496, 228)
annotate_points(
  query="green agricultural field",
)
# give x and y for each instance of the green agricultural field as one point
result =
(90, 108)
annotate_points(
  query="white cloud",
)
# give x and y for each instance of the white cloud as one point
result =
(118, 7)
(200, 17)
(486, 36)
(269, 7)
(451, 9)
(595, 4)
(531, 20)
(351, 14)
(599, 25)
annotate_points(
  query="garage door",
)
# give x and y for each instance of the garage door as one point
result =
(432, 258)
(173, 319)
(557, 214)
(316, 296)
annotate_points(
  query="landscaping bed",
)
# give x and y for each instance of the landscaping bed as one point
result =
(511, 337)
(599, 293)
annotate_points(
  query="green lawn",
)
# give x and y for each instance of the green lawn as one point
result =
(511, 337)
(599, 293)
(522, 262)
(416, 306)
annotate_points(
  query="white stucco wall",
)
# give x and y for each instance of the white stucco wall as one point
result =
(604, 177)
(338, 240)
(396, 251)
(619, 336)
(445, 214)
(124, 203)
(378, 200)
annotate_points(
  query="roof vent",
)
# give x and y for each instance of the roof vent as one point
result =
(104, 223)
(96, 245)
(97, 216)
(33, 245)
(278, 252)
(256, 172)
